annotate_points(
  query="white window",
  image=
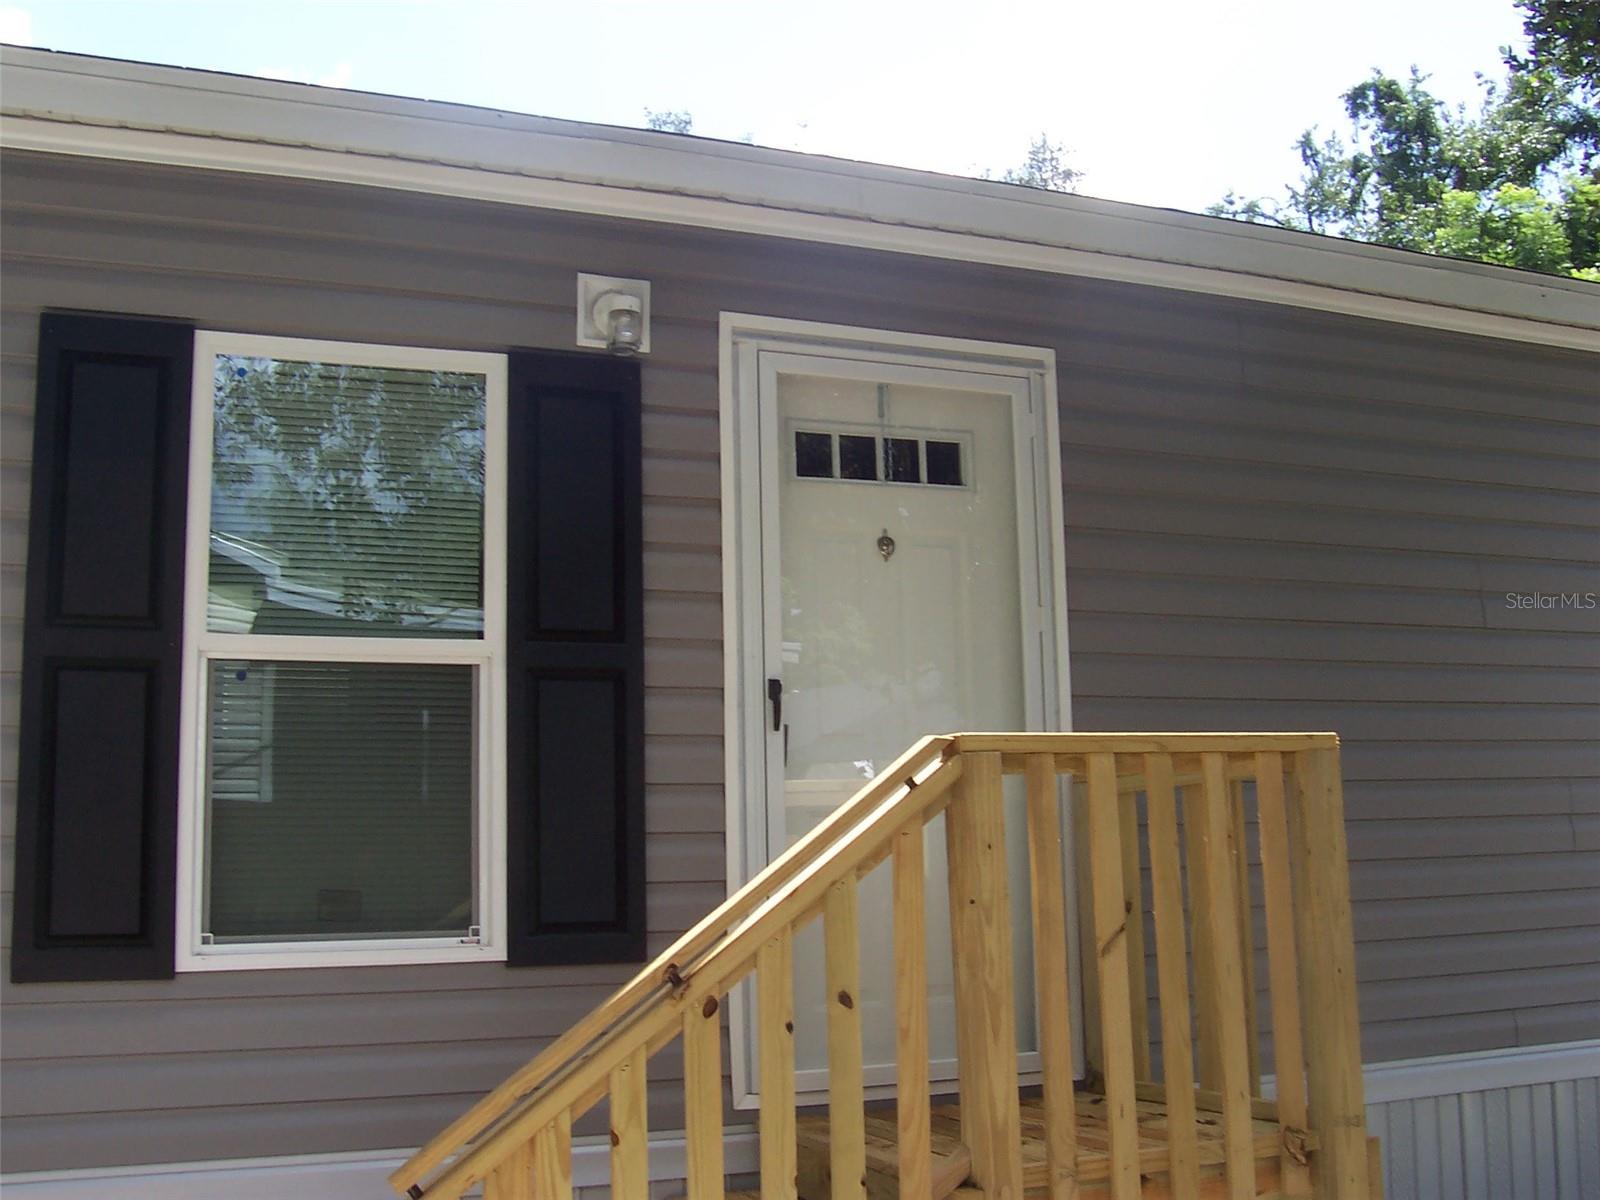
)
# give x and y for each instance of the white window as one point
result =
(344, 639)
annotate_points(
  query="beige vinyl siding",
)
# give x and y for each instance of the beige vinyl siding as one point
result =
(1275, 519)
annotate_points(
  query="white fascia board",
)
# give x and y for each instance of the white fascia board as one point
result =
(70, 104)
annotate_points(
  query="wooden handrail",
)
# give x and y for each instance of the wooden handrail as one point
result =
(518, 1139)
(654, 981)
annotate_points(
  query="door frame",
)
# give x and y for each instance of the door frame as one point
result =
(746, 527)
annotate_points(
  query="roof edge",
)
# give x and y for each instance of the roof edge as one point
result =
(105, 108)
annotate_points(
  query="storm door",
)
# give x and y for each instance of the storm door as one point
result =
(905, 589)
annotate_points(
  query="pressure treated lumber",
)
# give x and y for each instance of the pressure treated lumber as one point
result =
(911, 1014)
(552, 1160)
(775, 1038)
(1328, 978)
(512, 1179)
(702, 1101)
(1133, 906)
(846, 1098)
(980, 932)
(1282, 963)
(1051, 982)
(630, 1136)
(1166, 892)
(650, 983)
(1227, 978)
(1111, 952)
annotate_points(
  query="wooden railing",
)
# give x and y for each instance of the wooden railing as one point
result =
(518, 1139)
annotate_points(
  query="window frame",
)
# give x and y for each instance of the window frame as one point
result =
(487, 655)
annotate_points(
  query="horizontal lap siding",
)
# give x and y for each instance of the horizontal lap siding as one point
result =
(1275, 519)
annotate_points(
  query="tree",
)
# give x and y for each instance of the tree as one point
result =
(1516, 183)
(1564, 37)
(669, 121)
(1044, 167)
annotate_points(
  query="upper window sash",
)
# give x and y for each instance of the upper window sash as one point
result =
(203, 644)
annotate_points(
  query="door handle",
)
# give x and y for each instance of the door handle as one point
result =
(775, 694)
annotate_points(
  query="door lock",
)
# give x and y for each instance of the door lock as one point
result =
(775, 694)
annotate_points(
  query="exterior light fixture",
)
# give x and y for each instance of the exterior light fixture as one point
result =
(614, 314)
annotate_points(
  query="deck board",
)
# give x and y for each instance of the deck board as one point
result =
(951, 1159)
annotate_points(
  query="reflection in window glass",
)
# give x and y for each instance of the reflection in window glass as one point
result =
(858, 457)
(813, 455)
(346, 500)
(339, 801)
(944, 463)
(900, 460)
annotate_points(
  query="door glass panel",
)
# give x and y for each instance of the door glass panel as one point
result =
(900, 617)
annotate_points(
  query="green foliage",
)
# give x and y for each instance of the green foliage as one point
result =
(1515, 183)
(1044, 167)
(669, 121)
(1564, 37)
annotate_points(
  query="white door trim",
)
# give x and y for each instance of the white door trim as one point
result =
(746, 527)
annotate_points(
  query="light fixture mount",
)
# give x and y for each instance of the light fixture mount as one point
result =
(614, 313)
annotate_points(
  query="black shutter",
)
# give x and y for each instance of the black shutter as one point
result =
(98, 767)
(575, 669)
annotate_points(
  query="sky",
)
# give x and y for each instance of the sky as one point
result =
(1169, 103)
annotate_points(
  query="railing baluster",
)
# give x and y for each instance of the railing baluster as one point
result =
(513, 1178)
(630, 1147)
(1208, 1063)
(1282, 968)
(847, 1133)
(1133, 905)
(1328, 977)
(1239, 851)
(552, 1160)
(702, 1100)
(1088, 961)
(980, 934)
(1172, 966)
(1227, 978)
(1050, 975)
(911, 1015)
(775, 1029)
(1111, 949)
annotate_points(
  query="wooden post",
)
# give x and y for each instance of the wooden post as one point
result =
(1111, 950)
(702, 1100)
(1227, 978)
(775, 1035)
(552, 1159)
(911, 1015)
(847, 1131)
(1282, 969)
(1133, 905)
(1051, 977)
(1239, 854)
(1172, 959)
(1094, 1065)
(1328, 979)
(980, 934)
(630, 1166)
(1208, 1066)
(513, 1178)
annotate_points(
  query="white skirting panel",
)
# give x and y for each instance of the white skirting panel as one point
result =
(1513, 1125)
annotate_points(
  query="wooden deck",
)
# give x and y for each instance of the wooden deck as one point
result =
(951, 1162)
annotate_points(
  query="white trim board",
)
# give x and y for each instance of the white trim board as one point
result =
(76, 105)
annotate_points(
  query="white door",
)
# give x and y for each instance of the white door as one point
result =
(898, 530)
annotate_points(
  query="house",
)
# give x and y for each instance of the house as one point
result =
(386, 676)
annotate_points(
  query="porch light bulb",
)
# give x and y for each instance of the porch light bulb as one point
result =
(620, 317)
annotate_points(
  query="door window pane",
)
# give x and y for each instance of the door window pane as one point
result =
(339, 801)
(944, 463)
(858, 457)
(900, 462)
(346, 499)
(813, 455)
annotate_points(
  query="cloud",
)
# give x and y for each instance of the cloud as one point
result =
(16, 25)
